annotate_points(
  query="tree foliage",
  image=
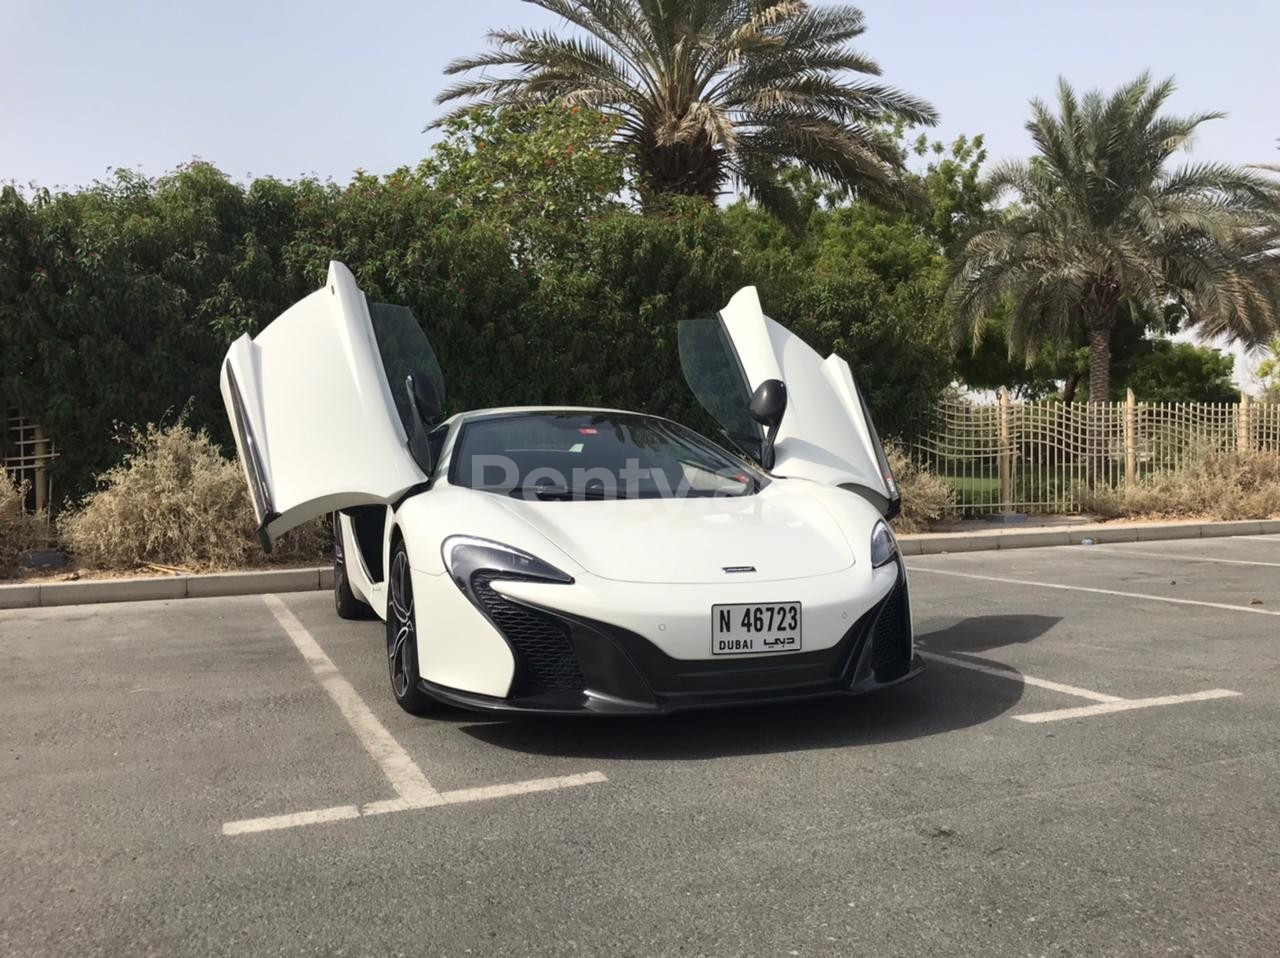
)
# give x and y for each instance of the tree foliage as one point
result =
(117, 302)
(863, 283)
(709, 92)
(1101, 225)
(109, 299)
(1161, 370)
(536, 173)
(1269, 372)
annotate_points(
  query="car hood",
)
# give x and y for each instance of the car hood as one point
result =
(779, 533)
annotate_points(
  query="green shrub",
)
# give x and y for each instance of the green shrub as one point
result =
(175, 499)
(510, 244)
(19, 530)
(925, 496)
(1220, 485)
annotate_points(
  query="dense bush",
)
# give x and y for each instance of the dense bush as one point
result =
(533, 279)
(865, 285)
(1219, 485)
(19, 531)
(925, 496)
(175, 499)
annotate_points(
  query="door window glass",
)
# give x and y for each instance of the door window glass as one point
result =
(405, 351)
(715, 375)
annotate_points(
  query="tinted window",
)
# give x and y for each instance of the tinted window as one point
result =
(713, 372)
(405, 351)
(595, 456)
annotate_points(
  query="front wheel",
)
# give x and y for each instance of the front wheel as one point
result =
(402, 637)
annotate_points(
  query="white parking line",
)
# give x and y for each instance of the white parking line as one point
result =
(1124, 705)
(272, 822)
(1105, 704)
(1025, 679)
(413, 791)
(1084, 588)
(485, 792)
(1120, 551)
(401, 771)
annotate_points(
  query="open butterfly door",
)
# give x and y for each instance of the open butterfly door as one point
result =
(826, 433)
(319, 408)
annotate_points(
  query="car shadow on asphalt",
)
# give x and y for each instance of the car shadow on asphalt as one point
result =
(983, 632)
(944, 698)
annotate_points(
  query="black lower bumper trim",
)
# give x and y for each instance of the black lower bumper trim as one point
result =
(589, 704)
(624, 673)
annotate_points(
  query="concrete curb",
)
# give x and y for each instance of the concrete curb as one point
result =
(34, 594)
(935, 543)
(83, 591)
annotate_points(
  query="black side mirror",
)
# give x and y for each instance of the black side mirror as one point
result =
(428, 410)
(766, 407)
(426, 398)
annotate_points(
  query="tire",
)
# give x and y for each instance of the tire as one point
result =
(345, 602)
(402, 637)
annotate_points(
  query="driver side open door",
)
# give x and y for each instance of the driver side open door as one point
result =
(826, 433)
(320, 421)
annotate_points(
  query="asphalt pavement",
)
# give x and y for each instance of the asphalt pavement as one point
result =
(1090, 766)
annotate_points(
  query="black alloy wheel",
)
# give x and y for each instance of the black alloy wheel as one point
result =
(402, 637)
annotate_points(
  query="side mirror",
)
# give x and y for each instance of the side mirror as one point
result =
(426, 398)
(766, 407)
(428, 410)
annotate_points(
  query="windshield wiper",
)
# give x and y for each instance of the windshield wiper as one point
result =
(551, 491)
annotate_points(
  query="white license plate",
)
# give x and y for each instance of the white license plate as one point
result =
(752, 628)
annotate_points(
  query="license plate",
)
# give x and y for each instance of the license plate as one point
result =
(746, 629)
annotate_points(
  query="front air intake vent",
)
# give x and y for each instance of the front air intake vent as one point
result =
(545, 660)
(891, 637)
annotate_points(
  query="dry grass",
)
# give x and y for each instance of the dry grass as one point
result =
(1221, 485)
(925, 496)
(176, 500)
(19, 530)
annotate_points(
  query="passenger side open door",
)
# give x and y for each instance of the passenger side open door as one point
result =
(826, 433)
(320, 409)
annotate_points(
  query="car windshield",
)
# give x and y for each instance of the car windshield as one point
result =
(592, 455)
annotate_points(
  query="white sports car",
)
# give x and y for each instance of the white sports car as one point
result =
(570, 560)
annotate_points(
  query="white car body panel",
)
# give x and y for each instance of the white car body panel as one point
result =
(684, 541)
(675, 615)
(317, 411)
(462, 649)
(825, 435)
(318, 431)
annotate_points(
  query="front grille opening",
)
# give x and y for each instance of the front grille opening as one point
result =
(891, 638)
(545, 660)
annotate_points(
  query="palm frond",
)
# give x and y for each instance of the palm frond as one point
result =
(694, 83)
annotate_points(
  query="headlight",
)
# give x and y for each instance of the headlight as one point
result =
(464, 556)
(883, 546)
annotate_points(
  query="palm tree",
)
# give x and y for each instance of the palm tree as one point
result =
(1100, 226)
(708, 91)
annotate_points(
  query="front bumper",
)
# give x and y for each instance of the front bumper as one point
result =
(571, 665)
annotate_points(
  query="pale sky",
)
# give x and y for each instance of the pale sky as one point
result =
(324, 87)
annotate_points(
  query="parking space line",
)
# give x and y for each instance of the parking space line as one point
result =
(1124, 705)
(401, 771)
(1120, 551)
(1084, 588)
(1025, 679)
(413, 791)
(486, 792)
(292, 820)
